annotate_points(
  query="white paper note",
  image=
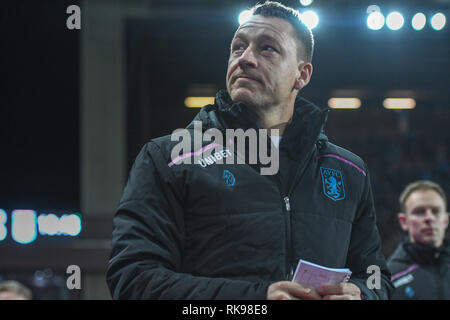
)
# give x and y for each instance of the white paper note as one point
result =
(312, 274)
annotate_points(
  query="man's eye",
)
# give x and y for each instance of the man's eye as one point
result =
(436, 211)
(269, 48)
(237, 47)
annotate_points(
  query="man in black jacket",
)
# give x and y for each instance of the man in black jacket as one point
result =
(421, 266)
(191, 226)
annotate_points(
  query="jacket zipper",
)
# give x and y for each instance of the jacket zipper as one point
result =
(289, 270)
(286, 198)
(440, 288)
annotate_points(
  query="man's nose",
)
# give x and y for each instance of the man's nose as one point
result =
(248, 58)
(429, 215)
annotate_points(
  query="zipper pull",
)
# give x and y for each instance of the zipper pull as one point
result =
(287, 203)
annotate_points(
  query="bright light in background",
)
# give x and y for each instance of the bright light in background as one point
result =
(198, 102)
(375, 21)
(23, 225)
(26, 223)
(399, 103)
(306, 2)
(244, 16)
(373, 8)
(310, 18)
(394, 20)
(344, 103)
(68, 224)
(418, 21)
(3, 230)
(438, 21)
(48, 224)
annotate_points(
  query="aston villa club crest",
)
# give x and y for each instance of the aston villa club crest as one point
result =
(333, 183)
(229, 178)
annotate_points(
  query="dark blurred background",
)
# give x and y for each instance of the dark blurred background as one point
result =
(77, 105)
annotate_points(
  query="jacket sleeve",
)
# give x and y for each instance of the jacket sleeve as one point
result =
(365, 251)
(148, 242)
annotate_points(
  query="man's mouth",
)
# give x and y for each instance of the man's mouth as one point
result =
(429, 231)
(246, 77)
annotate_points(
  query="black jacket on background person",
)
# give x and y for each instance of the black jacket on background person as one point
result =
(224, 231)
(420, 272)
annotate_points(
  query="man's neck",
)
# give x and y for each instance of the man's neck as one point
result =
(278, 129)
(275, 120)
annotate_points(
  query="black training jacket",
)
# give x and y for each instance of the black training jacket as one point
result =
(224, 231)
(420, 272)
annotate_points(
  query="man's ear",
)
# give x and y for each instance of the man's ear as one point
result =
(305, 70)
(446, 220)
(402, 220)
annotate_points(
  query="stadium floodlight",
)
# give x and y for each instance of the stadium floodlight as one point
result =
(418, 21)
(306, 2)
(394, 20)
(375, 20)
(310, 18)
(399, 103)
(344, 103)
(244, 16)
(438, 21)
(198, 102)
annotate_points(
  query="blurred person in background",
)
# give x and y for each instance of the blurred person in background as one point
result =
(13, 290)
(420, 266)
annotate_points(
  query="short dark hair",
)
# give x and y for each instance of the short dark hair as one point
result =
(302, 31)
(421, 185)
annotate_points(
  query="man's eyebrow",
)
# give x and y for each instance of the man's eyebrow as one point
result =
(424, 207)
(264, 37)
(239, 36)
(267, 37)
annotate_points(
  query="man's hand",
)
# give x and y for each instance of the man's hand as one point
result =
(340, 291)
(286, 290)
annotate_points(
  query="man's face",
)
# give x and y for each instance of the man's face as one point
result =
(425, 218)
(263, 69)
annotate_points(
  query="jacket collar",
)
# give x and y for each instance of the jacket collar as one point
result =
(424, 255)
(305, 129)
